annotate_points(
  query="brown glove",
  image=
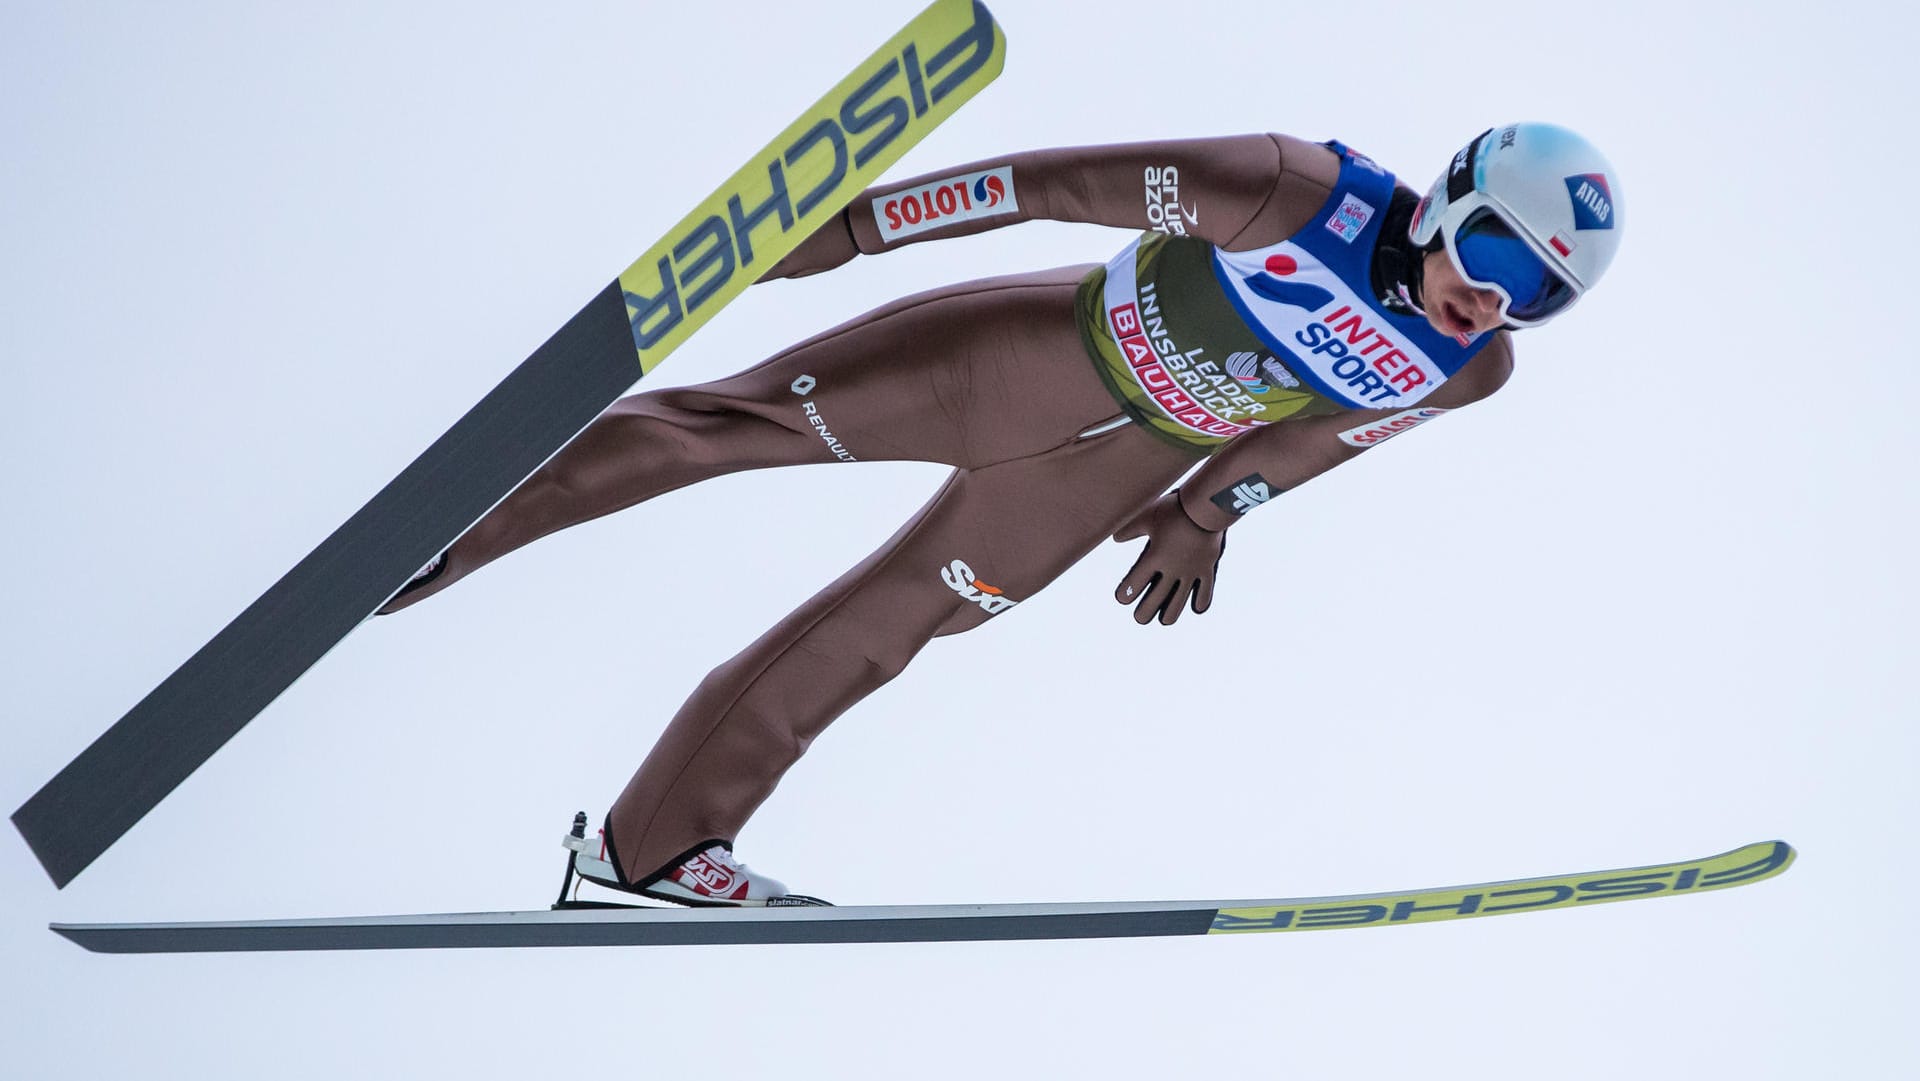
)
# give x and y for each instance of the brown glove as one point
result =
(1179, 563)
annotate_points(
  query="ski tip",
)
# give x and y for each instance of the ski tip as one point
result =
(1769, 857)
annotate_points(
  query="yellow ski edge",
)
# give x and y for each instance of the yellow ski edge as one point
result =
(1740, 867)
(810, 171)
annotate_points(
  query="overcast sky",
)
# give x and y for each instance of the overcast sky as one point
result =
(254, 257)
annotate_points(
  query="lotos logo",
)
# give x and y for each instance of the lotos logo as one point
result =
(1592, 201)
(1386, 428)
(949, 201)
(959, 578)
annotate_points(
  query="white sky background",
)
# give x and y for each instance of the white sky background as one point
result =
(1645, 604)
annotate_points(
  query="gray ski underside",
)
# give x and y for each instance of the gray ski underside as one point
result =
(655, 927)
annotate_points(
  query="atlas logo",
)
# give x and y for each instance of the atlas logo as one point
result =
(945, 202)
(1382, 430)
(960, 578)
(704, 258)
(1592, 201)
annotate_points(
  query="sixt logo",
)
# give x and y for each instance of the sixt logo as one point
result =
(945, 202)
(1592, 201)
(705, 255)
(959, 578)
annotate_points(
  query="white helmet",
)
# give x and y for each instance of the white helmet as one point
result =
(1532, 211)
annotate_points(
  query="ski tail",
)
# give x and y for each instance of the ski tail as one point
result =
(914, 82)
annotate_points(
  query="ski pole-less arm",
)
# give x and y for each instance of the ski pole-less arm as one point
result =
(1185, 529)
(1262, 463)
(1206, 188)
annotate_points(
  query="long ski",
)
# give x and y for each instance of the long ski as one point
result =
(807, 174)
(622, 926)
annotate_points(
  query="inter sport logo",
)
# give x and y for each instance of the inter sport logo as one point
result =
(1274, 287)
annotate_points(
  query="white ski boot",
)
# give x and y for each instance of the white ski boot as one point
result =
(710, 878)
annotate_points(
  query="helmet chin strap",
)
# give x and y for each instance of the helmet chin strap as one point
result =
(1398, 263)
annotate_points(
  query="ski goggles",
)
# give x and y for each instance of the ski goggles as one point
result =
(1491, 253)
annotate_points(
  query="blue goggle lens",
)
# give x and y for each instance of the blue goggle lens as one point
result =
(1490, 253)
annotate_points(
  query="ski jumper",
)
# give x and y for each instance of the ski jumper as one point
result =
(1240, 329)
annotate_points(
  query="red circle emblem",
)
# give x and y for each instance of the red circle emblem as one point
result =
(1282, 264)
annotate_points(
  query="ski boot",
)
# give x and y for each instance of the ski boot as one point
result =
(711, 878)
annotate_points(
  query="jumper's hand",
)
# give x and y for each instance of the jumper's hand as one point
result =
(1179, 563)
